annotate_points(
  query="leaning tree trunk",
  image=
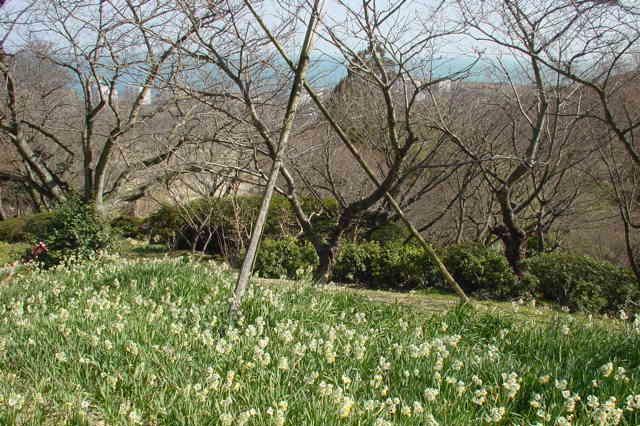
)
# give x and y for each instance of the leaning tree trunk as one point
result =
(292, 106)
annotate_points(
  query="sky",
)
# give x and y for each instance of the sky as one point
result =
(456, 52)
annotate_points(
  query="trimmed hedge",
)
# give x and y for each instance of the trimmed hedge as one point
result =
(585, 284)
(388, 233)
(578, 282)
(484, 271)
(392, 265)
(164, 225)
(25, 228)
(285, 258)
(129, 227)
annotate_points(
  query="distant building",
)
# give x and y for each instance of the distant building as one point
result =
(146, 98)
(104, 91)
(445, 86)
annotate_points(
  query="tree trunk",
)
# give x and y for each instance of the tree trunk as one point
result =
(514, 250)
(510, 233)
(631, 255)
(541, 243)
(328, 250)
(327, 255)
(513, 240)
(3, 213)
(292, 106)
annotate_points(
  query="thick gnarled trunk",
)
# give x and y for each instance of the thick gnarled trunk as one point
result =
(327, 256)
(514, 241)
(511, 235)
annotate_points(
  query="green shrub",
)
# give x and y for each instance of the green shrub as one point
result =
(392, 265)
(388, 233)
(583, 283)
(129, 226)
(74, 229)
(164, 225)
(404, 266)
(24, 228)
(355, 262)
(483, 271)
(285, 258)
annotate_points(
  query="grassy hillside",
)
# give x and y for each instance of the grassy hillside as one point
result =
(11, 252)
(137, 342)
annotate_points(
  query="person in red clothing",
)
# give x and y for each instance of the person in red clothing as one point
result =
(38, 250)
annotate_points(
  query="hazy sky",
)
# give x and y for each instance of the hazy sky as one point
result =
(453, 53)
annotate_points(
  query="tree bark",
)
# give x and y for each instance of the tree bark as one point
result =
(513, 240)
(512, 236)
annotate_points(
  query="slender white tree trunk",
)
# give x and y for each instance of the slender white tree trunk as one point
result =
(290, 114)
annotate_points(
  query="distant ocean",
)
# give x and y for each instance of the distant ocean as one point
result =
(327, 72)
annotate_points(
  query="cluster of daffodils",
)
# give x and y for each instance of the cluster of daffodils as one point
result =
(139, 343)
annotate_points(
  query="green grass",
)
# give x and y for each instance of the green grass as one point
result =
(115, 342)
(9, 253)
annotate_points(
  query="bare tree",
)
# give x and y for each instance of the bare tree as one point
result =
(402, 137)
(114, 95)
(624, 181)
(526, 124)
(592, 44)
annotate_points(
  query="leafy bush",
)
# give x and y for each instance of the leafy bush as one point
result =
(24, 228)
(583, 283)
(388, 233)
(129, 226)
(483, 271)
(164, 225)
(404, 266)
(285, 258)
(74, 229)
(550, 244)
(355, 262)
(392, 265)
